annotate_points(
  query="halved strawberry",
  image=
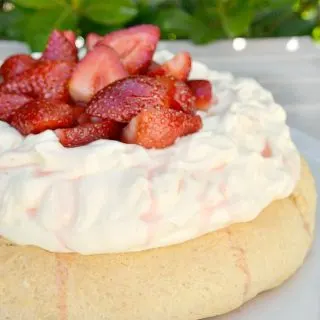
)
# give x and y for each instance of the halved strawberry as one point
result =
(15, 65)
(135, 45)
(47, 80)
(88, 132)
(202, 91)
(159, 128)
(60, 48)
(92, 39)
(9, 103)
(178, 67)
(95, 71)
(181, 97)
(124, 99)
(70, 35)
(40, 115)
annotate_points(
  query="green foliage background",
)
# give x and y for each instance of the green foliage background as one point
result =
(202, 21)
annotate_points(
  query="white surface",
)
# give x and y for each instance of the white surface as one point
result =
(294, 79)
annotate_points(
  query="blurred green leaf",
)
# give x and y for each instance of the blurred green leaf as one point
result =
(236, 16)
(175, 21)
(281, 3)
(208, 23)
(110, 12)
(86, 26)
(40, 4)
(15, 19)
(293, 26)
(41, 23)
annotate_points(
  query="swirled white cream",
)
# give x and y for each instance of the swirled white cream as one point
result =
(112, 197)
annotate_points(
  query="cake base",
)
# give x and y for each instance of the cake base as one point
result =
(200, 278)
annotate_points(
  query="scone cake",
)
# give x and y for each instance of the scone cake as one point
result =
(139, 184)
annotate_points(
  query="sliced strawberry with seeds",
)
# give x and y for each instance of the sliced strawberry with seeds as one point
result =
(59, 48)
(178, 67)
(88, 132)
(92, 39)
(124, 99)
(47, 80)
(9, 103)
(181, 97)
(40, 115)
(135, 45)
(15, 65)
(95, 71)
(159, 128)
(202, 91)
(70, 35)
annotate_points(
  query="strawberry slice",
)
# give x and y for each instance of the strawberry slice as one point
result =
(89, 132)
(95, 71)
(9, 103)
(202, 91)
(181, 97)
(159, 128)
(15, 65)
(70, 35)
(124, 99)
(178, 67)
(47, 80)
(40, 115)
(135, 45)
(92, 39)
(60, 48)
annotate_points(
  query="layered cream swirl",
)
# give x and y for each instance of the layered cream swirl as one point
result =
(113, 197)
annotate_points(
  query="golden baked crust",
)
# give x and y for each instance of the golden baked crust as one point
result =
(203, 277)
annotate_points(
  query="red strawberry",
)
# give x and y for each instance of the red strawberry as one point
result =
(202, 90)
(159, 128)
(9, 103)
(88, 132)
(47, 80)
(92, 39)
(95, 71)
(124, 99)
(40, 115)
(181, 97)
(178, 67)
(153, 67)
(135, 45)
(60, 48)
(15, 65)
(78, 111)
(70, 35)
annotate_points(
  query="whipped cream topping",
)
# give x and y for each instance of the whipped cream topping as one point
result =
(112, 197)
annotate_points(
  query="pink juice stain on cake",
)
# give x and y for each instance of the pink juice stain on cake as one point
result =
(63, 262)
(41, 173)
(208, 210)
(267, 151)
(151, 217)
(32, 212)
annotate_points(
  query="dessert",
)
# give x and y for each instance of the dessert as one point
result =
(131, 189)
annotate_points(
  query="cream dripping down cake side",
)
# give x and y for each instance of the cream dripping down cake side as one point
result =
(139, 184)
